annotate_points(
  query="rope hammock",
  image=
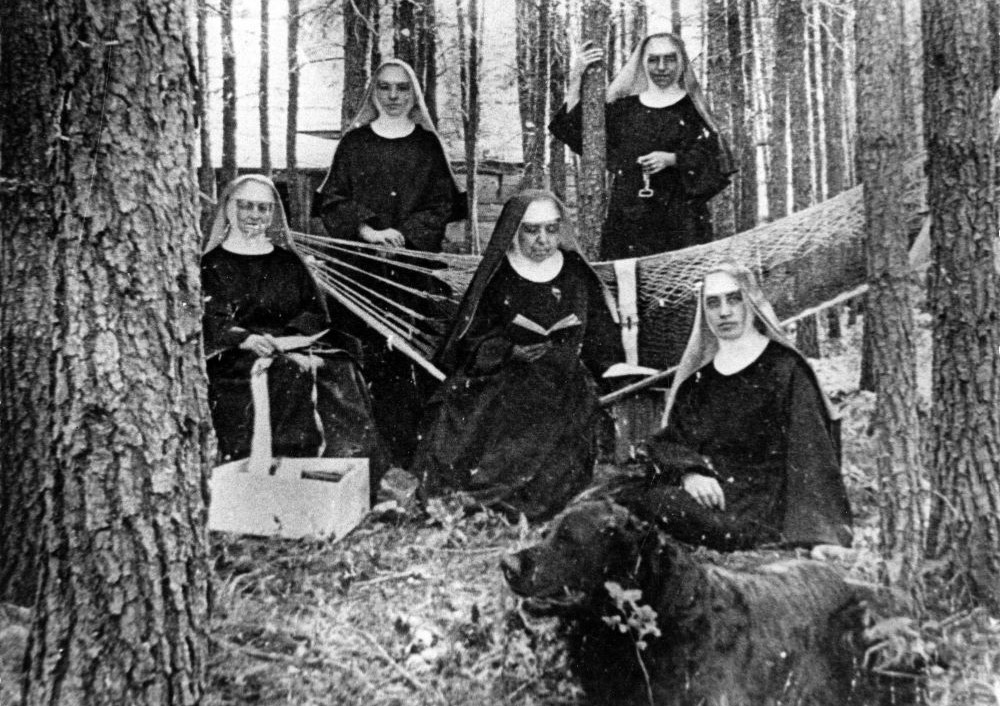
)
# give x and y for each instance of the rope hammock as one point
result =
(807, 261)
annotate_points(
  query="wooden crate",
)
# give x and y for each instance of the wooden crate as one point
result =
(294, 497)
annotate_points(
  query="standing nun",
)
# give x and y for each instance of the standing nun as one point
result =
(390, 182)
(664, 150)
(390, 185)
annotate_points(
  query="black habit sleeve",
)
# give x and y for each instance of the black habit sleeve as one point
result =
(313, 317)
(340, 213)
(671, 449)
(817, 510)
(219, 325)
(424, 228)
(699, 159)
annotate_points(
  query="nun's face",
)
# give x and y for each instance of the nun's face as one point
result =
(394, 92)
(538, 235)
(251, 208)
(726, 310)
(662, 59)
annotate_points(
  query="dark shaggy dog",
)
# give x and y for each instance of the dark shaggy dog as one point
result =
(773, 635)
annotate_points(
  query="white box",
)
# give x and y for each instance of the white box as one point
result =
(292, 498)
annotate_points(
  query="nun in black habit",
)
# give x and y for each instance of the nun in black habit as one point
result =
(258, 295)
(748, 453)
(665, 153)
(514, 423)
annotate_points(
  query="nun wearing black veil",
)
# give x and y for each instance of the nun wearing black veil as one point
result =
(263, 310)
(514, 423)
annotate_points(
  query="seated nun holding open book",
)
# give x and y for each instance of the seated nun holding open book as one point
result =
(264, 314)
(514, 423)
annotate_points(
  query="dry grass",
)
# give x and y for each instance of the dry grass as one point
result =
(413, 613)
(408, 611)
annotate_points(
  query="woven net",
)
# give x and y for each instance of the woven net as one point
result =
(804, 260)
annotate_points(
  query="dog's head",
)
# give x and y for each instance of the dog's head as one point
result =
(588, 544)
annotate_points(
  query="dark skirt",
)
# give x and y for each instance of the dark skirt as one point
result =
(521, 440)
(340, 417)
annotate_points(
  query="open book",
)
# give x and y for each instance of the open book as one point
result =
(524, 331)
(622, 369)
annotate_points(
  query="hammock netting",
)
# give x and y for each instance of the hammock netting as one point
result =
(804, 260)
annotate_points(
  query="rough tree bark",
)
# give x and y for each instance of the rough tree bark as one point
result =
(229, 165)
(206, 170)
(720, 76)
(889, 312)
(469, 20)
(964, 527)
(790, 38)
(122, 600)
(27, 306)
(831, 22)
(298, 185)
(780, 173)
(263, 88)
(591, 187)
(415, 42)
(559, 57)
(741, 135)
(361, 54)
(529, 91)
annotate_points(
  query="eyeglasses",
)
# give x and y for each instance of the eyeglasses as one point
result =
(258, 206)
(549, 227)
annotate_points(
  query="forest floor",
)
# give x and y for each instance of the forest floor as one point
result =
(410, 610)
(416, 611)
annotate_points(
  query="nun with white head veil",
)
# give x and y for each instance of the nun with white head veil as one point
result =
(390, 182)
(665, 153)
(514, 424)
(748, 453)
(263, 310)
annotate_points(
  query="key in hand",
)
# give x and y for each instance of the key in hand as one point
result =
(646, 191)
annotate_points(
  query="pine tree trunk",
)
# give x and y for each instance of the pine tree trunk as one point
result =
(361, 54)
(964, 529)
(122, 601)
(468, 41)
(742, 131)
(807, 337)
(415, 42)
(559, 55)
(889, 314)
(526, 38)
(639, 21)
(675, 17)
(760, 40)
(206, 171)
(27, 306)
(792, 54)
(229, 166)
(833, 89)
(264, 90)
(785, 56)
(591, 187)
(814, 42)
(721, 76)
(298, 185)
(833, 329)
